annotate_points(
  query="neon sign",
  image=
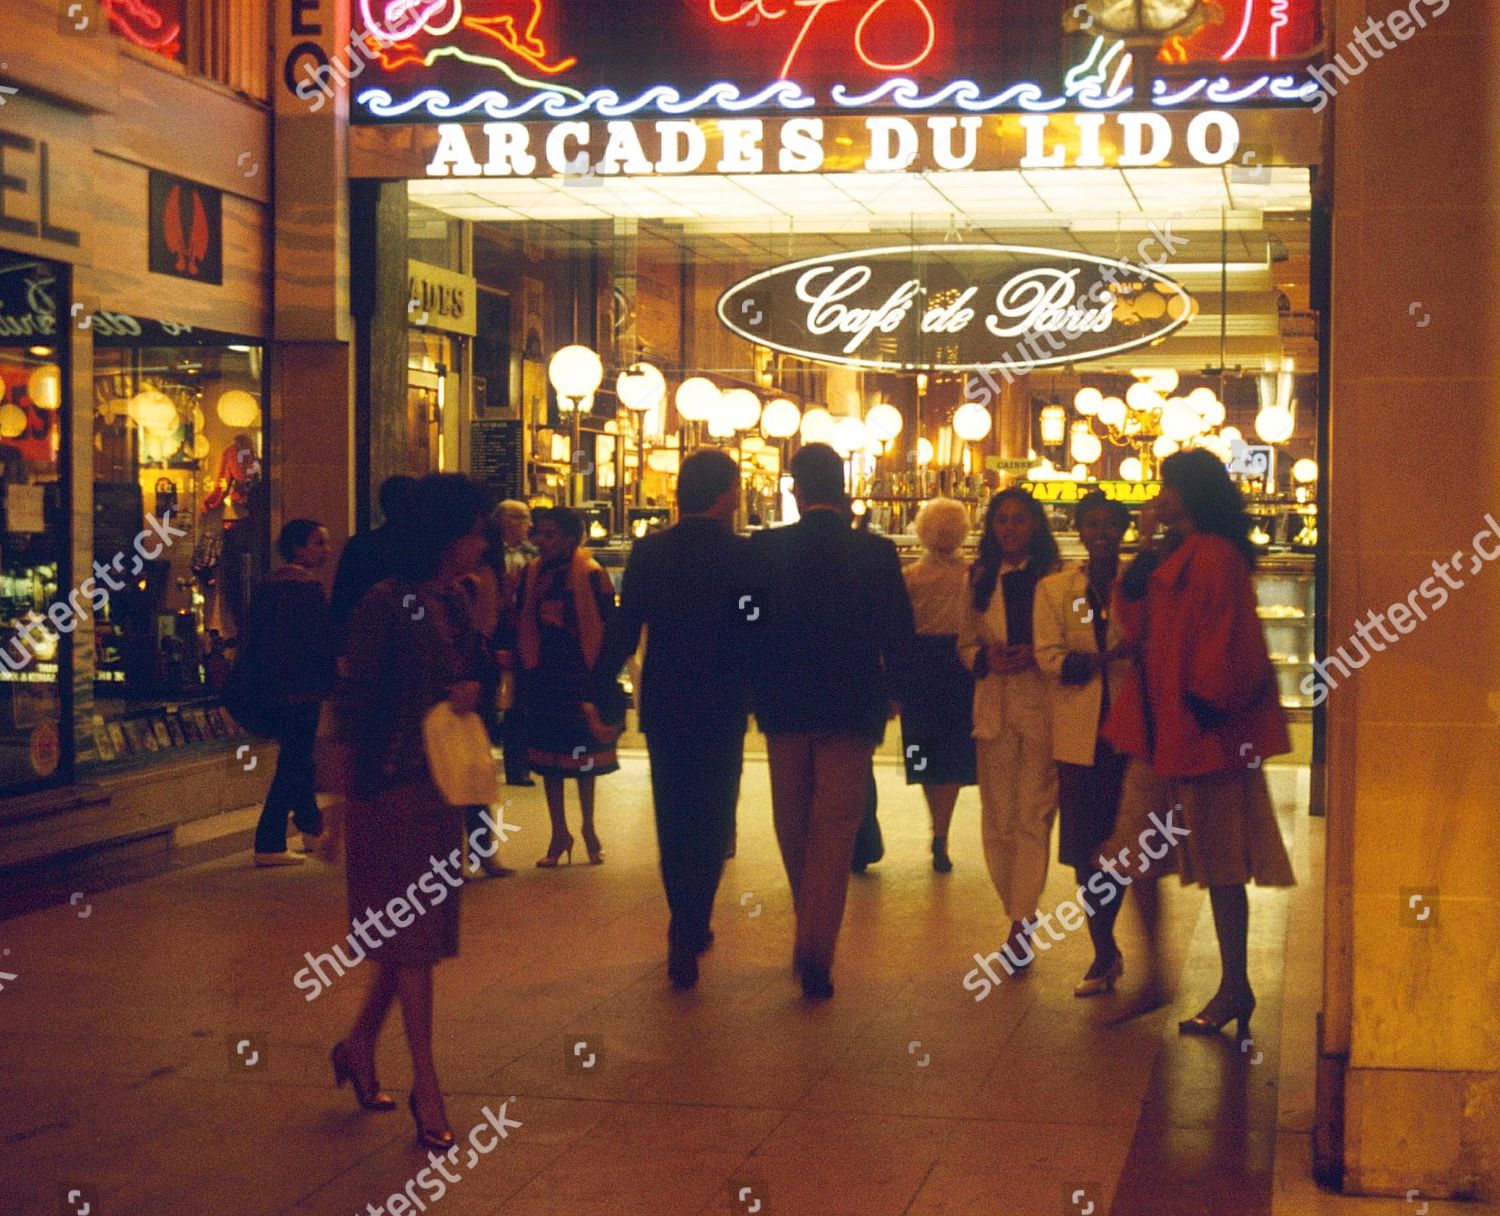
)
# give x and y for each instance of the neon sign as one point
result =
(941, 308)
(924, 26)
(389, 34)
(557, 59)
(145, 26)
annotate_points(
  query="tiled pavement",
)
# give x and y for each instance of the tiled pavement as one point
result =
(119, 1078)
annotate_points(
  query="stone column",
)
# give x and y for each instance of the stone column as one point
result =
(1410, 1087)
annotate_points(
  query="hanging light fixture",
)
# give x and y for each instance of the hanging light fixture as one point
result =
(971, 422)
(575, 372)
(1054, 420)
(884, 421)
(850, 435)
(696, 398)
(640, 387)
(817, 426)
(742, 409)
(1085, 446)
(780, 419)
(1275, 424)
(44, 387)
(237, 409)
(1087, 401)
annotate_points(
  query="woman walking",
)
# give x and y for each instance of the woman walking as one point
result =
(937, 717)
(1017, 779)
(411, 644)
(288, 644)
(1199, 716)
(1083, 674)
(566, 599)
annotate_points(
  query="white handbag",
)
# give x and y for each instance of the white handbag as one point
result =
(458, 756)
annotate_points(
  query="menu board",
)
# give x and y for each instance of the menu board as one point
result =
(495, 456)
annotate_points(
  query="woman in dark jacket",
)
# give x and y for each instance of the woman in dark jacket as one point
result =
(566, 600)
(288, 630)
(411, 644)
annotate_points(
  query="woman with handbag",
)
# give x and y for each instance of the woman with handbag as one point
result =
(411, 648)
(566, 600)
(288, 658)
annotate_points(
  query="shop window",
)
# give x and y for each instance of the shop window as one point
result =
(179, 439)
(36, 621)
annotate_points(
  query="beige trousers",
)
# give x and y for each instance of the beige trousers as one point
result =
(818, 789)
(1017, 804)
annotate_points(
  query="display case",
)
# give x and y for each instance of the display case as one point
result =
(1285, 592)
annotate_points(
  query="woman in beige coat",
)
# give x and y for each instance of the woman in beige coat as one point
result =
(1083, 674)
(1017, 779)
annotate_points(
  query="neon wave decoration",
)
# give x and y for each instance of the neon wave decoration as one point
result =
(787, 95)
(964, 94)
(605, 102)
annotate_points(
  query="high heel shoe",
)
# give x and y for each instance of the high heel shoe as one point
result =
(549, 862)
(370, 1096)
(1209, 1021)
(438, 1142)
(595, 851)
(1096, 985)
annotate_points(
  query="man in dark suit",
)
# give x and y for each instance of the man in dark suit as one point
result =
(682, 586)
(368, 556)
(830, 663)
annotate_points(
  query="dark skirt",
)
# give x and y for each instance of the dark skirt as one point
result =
(558, 740)
(391, 841)
(1088, 799)
(937, 717)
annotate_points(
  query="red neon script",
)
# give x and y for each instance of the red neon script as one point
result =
(919, 24)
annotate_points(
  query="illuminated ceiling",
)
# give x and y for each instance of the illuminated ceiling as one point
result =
(1074, 199)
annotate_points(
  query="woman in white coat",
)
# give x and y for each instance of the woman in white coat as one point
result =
(1017, 778)
(1073, 651)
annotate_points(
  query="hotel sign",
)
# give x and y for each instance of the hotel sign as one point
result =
(955, 307)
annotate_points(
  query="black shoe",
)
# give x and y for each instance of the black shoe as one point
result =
(520, 781)
(941, 863)
(816, 986)
(682, 969)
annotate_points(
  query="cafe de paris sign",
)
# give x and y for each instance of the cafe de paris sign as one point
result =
(955, 307)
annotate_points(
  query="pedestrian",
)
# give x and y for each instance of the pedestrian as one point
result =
(482, 587)
(289, 646)
(831, 662)
(1198, 718)
(937, 717)
(682, 587)
(1017, 779)
(368, 556)
(566, 600)
(1084, 670)
(411, 645)
(510, 551)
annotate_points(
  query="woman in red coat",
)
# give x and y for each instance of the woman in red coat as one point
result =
(1199, 716)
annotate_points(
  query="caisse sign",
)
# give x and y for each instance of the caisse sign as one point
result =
(955, 307)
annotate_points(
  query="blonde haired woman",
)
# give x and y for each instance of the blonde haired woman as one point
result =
(937, 720)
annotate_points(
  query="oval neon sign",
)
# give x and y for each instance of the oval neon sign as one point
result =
(955, 307)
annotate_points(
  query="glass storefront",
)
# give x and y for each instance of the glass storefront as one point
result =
(179, 436)
(37, 615)
(1210, 340)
